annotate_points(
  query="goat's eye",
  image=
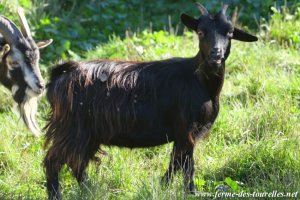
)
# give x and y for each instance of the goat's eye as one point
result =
(13, 63)
(200, 34)
(230, 33)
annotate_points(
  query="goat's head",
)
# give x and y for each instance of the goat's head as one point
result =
(215, 33)
(19, 66)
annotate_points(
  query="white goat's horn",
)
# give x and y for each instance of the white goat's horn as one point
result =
(9, 30)
(202, 9)
(23, 22)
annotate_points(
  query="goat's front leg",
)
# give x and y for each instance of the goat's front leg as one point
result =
(173, 166)
(182, 158)
(188, 168)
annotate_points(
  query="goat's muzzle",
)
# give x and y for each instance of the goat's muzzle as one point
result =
(215, 58)
(40, 87)
(36, 87)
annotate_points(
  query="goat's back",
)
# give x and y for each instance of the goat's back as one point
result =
(122, 103)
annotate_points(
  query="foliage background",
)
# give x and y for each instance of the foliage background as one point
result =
(79, 25)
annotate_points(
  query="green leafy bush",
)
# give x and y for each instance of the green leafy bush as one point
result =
(283, 28)
(80, 25)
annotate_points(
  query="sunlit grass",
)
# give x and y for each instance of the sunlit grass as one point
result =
(254, 141)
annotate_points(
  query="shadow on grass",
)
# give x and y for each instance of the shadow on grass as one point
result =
(265, 166)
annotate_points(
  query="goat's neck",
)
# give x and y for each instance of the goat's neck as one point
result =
(214, 82)
(3, 79)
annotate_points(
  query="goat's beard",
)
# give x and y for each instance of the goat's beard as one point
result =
(28, 109)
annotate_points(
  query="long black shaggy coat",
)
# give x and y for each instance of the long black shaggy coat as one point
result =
(128, 104)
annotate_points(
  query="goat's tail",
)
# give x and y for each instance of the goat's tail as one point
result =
(59, 94)
(68, 137)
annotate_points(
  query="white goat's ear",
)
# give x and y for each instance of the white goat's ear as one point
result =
(44, 43)
(4, 50)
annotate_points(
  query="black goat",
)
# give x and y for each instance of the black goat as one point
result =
(19, 67)
(138, 104)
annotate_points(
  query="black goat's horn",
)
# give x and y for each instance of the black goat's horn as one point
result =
(9, 30)
(202, 9)
(23, 22)
(224, 8)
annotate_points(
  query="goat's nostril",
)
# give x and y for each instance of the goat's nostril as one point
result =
(41, 85)
(215, 51)
(216, 54)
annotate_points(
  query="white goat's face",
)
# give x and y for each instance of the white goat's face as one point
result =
(23, 70)
(19, 66)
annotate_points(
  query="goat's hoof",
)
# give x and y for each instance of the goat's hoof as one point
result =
(55, 196)
(191, 192)
(192, 189)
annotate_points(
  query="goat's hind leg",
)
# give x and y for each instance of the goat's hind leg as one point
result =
(52, 167)
(78, 167)
(80, 172)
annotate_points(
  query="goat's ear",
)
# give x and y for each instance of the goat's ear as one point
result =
(190, 22)
(243, 36)
(44, 43)
(4, 50)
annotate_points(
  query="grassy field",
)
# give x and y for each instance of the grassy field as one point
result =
(254, 145)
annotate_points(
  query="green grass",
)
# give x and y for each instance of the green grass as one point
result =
(253, 146)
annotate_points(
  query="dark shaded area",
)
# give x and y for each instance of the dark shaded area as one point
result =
(80, 25)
